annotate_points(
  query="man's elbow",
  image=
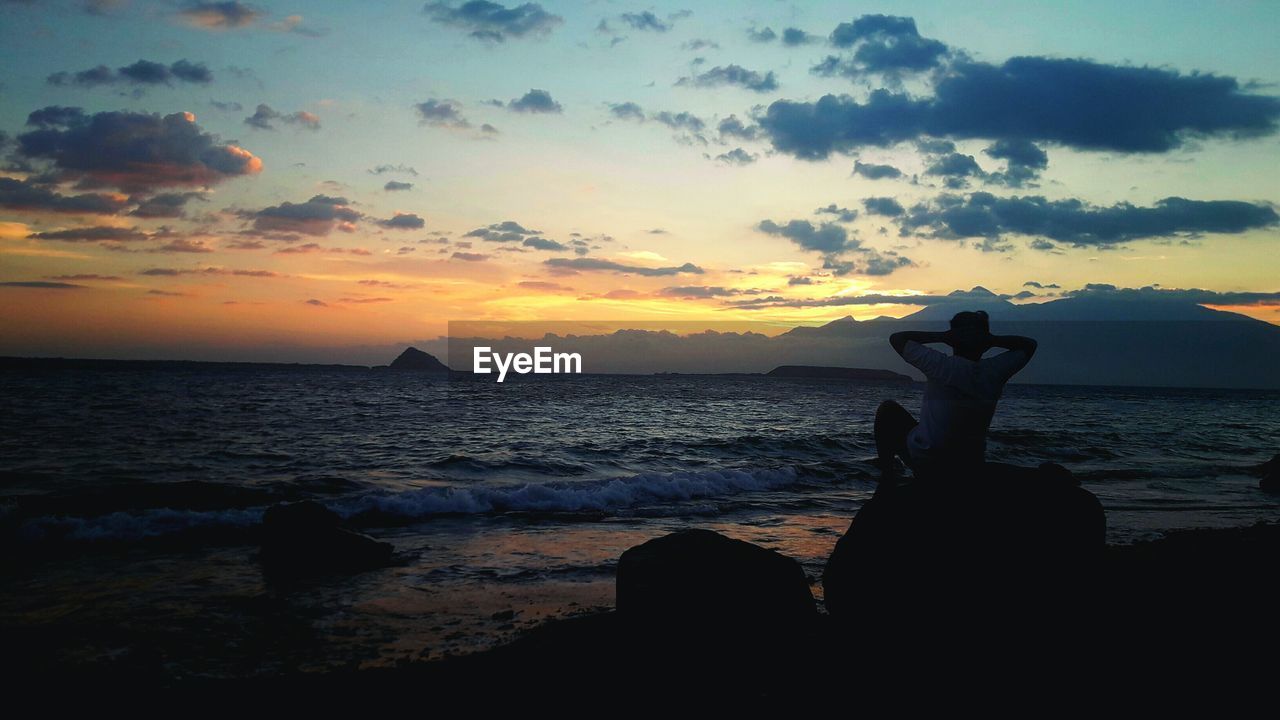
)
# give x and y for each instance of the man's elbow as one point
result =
(898, 341)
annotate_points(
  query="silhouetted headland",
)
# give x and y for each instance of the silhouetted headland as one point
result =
(414, 359)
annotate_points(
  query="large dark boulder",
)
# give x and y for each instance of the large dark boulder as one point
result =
(998, 543)
(306, 538)
(702, 578)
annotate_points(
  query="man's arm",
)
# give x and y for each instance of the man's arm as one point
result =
(1015, 342)
(899, 340)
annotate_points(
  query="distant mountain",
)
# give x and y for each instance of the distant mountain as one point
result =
(837, 373)
(418, 361)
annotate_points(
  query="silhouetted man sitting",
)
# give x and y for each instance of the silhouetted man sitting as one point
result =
(959, 400)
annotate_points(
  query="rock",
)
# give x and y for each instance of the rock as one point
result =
(1269, 471)
(414, 359)
(1012, 539)
(306, 538)
(699, 577)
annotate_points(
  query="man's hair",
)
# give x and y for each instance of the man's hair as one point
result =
(975, 319)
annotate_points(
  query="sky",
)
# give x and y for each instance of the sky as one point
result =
(264, 181)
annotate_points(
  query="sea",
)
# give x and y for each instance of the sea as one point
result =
(130, 495)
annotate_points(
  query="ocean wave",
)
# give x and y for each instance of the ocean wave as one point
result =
(650, 493)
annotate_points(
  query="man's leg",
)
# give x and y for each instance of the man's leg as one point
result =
(893, 422)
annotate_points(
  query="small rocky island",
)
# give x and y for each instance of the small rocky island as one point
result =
(837, 373)
(418, 361)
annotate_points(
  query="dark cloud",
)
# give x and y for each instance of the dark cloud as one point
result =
(86, 276)
(142, 72)
(494, 22)
(1074, 103)
(1078, 223)
(695, 292)
(403, 221)
(264, 116)
(885, 206)
(1024, 161)
(469, 257)
(762, 36)
(955, 168)
(40, 284)
(541, 243)
(131, 151)
(93, 234)
(535, 101)
(541, 285)
(1175, 295)
(794, 37)
(383, 169)
(23, 195)
(182, 245)
(626, 111)
(507, 231)
(220, 15)
(881, 44)
(737, 156)
(876, 172)
(645, 21)
(441, 113)
(681, 121)
(164, 205)
(229, 106)
(315, 302)
(597, 264)
(733, 127)
(1042, 286)
(174, 272)
(733, 75)
(803, 280)
(316, 217)
(843, 215)
(396, 185)
(883, 263)
(827, 238)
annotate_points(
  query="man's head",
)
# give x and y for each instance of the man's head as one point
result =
(970, 333)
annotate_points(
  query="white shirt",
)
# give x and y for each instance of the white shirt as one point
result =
(958, 402)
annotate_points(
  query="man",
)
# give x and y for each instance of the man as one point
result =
(958, 401)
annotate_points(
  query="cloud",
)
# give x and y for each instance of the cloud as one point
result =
(535, 101)
(316, 217)
(1042, 286)
(881, 44)
(733, 127)
(182, 245)
(174, 272)
(737, 156)
(828, 238)
(844, 215)
(228, 106)
(955, 167)
(1075, 103)
(142, 72)
(96, 233)
(220, 15)
(264, 115)
(1078, 223)
(131, 151)
(541, 243)
(699, 44)
(441, 113)
(23, 195)
(86, 276)
(403, 221)
(41, 284)
(383, 169)
(507, 231)
(492, 21)
(876, 172)
(164, 205)
(733, 75)
(795, 37)
(885, 206)
(541, 285)
(799, 281)
(469, 256)
(316, 303)
(598, 264)
(645, 21)
(1024, 161)
(626, 111)
(396, 185)
(1175, 295)
(763, 35)
(703, 291)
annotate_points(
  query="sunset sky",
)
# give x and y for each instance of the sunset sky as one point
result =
(263, 181)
